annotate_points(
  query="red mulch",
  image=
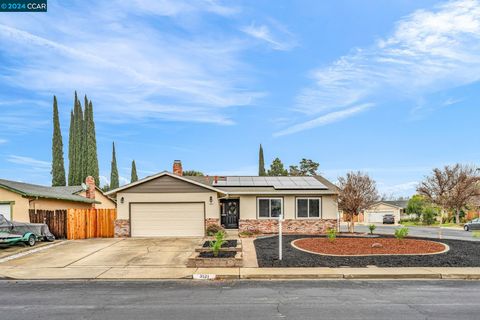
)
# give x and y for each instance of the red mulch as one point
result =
(363, 246)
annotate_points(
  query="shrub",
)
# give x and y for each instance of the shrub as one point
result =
(429, 215)
(372, 228)
(213, 229)
(401, 233)
(217, 243)
(332, 234)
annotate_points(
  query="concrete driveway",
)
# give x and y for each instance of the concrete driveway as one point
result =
(94, 257)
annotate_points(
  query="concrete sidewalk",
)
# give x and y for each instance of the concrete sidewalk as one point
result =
(163, 273)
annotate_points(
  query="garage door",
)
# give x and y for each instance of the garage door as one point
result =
(377, 217)
(167, 219)
(5, 210)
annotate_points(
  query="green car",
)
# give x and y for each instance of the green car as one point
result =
(11, 239)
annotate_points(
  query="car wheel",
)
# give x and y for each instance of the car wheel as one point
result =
(31, 240)
(466, 228)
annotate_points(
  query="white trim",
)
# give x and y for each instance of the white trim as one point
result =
(269, 207)
(161, 174)
(320, 211)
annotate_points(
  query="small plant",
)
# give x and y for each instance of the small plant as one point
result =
(217, 243)
(476, 234)
(372, 228)
(213, 229)
(331, 234)
(401, 233)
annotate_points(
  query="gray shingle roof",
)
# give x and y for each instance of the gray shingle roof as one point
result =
(33, 190)
(398, 203)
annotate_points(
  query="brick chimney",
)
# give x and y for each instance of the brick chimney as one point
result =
(90, 192)
(177, 167)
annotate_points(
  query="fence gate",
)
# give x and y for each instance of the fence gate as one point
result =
(77, 223)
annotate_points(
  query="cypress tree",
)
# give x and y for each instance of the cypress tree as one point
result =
(58, 166)
(261, 162)
(134, 176)
(78, 144)
(91, 163)
(72, 145)
(114, 181)
(71, 149)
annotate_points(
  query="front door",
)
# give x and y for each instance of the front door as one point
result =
(230, 212)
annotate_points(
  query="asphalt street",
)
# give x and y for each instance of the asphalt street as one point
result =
(241, 300)
(428, 232)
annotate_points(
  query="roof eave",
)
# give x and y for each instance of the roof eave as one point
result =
(158, 175)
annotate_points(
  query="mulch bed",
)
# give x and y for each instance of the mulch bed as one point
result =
(368, 246)
(227, 244)
(221, 254)
(461, 254)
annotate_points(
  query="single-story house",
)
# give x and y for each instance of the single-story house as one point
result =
(375, 213)
(16, 198)
(170, 204)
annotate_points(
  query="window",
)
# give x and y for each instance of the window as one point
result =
(269, 207)
(309, 208)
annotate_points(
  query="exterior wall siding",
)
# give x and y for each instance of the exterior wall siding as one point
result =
(248, 206)
(166, 184)
(106, 203)
(19, 207)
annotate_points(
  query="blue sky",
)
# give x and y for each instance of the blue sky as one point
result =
(355, 85)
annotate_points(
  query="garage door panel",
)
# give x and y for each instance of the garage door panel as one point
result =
(167, 219)
(377, 217)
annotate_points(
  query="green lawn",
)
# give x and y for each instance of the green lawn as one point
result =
(419, 224)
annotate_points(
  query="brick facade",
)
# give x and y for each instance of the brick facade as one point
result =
(122, 228)
(210, 221)
(294, 226)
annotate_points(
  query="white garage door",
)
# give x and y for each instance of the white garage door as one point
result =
(377, 217)
(5, 210)
(167, 219)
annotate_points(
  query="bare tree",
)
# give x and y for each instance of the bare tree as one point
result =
(451, 188)
(357, 193)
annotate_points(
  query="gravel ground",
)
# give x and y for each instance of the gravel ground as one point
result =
(461, 254)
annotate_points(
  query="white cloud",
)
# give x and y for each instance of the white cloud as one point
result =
(3, 141)
(29, 162)
(280, 39)
(325, 119)
(130, 67)
(401, 189)
(429, 51)
(123, 180)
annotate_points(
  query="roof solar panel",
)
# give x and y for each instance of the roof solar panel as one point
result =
(276, 182)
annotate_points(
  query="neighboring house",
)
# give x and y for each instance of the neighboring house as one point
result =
(169, 204)
(16, 198)
(375, 213)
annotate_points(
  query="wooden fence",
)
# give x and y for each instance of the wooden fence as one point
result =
(77, 223)
(55, 219)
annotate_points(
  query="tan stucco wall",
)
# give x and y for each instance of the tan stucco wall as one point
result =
(52, 204)
(382, 207)
(248, 206)
(106, 203)
(20, 208)
(211, 210)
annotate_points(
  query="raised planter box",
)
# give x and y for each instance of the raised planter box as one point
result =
(230, 255)
(231, 245)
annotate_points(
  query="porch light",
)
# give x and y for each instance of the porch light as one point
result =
(122, 200)
(211, 200)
